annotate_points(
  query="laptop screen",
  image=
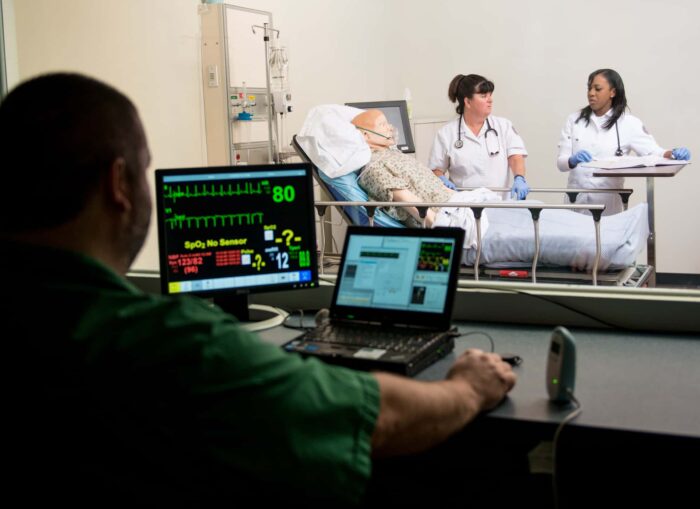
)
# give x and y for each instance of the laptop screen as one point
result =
(398, 275)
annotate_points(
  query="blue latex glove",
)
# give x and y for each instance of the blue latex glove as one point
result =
(520, 187)
(582, 156)
(680, 153)
(448, 183)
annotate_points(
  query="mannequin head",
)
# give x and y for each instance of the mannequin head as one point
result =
(376, 129)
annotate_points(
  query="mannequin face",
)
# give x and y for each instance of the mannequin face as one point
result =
(600, 95)
(376, 129)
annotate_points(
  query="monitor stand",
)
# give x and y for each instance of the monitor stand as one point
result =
(253, 317)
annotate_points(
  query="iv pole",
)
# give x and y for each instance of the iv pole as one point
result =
(271, 117)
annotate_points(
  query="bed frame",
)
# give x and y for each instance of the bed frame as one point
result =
(632, 276)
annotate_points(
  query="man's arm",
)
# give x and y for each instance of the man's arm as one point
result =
(414, 416)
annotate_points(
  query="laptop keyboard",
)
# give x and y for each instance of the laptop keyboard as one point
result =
(395, 340)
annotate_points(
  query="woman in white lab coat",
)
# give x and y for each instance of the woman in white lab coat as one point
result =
(477, 149)
(602, 130)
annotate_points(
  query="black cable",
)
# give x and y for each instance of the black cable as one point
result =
(577, 311)
(555, 445)
(552, 301)
(493, 345)
(291, 314)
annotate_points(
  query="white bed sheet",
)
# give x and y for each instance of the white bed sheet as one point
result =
(566, 239)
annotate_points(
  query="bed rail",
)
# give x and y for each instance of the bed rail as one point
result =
(477, 209)
(572, 193)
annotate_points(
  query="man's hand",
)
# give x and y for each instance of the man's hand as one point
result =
(486, 374)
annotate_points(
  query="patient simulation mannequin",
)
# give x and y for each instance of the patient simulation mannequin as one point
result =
(393, 176)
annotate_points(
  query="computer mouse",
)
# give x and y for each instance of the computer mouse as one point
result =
(511, 358)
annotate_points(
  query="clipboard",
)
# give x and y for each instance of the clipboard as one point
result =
(626, 162)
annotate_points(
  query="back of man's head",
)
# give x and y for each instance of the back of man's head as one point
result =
(59, 134)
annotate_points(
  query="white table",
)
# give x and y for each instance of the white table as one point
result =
(650, 173)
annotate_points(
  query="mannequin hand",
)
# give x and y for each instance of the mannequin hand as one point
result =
(520, 187)
(582, 156)
(448, 183)
(680, 153)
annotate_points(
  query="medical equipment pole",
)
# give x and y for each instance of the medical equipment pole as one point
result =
(270, 113)
(271, 149)
(280, 92)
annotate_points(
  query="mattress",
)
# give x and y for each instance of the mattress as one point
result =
(567, 238)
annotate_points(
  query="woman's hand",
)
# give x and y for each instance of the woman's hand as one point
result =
(582, 156)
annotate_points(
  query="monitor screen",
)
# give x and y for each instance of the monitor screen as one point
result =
(396, 112)
(225, 232)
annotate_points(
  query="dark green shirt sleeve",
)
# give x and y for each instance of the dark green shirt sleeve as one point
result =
(247, 405)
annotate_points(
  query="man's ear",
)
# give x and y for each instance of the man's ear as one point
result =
(118, 187)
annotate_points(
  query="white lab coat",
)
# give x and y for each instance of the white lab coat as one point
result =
(602, 143)
(471, 165)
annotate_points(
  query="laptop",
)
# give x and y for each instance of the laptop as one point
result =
(392, 302)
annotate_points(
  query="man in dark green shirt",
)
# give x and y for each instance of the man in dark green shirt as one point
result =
(117, 396)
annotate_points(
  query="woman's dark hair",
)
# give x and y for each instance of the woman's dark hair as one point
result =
(619, 102)
(463, 86)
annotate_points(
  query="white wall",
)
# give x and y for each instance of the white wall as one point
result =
(336, 50)
(150, 49)
(8, 15)
(538, 53)
(147, 49)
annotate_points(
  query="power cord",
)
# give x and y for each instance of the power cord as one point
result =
(327, 279)
(577, 311)
(292, 315)
(555, 445)
(552, 301)
(493, 345)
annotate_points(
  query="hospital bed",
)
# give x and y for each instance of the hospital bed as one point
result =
(511, 249)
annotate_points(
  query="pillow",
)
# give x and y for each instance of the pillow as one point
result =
(332, 142)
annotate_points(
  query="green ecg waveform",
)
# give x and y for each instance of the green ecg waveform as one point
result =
(180, 221)
(212, 190)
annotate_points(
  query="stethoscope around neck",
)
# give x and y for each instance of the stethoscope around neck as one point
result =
(618, 152)
(459, 143)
